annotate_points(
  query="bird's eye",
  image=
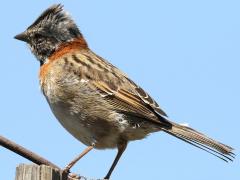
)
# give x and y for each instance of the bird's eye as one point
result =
(38, 36)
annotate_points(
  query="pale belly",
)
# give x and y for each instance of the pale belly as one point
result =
(100, 134)
(73, 125)
(91, 119)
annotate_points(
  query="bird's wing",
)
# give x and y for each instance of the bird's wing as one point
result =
(135, 90)
(128, 102)
(122, 93)
(147, 99)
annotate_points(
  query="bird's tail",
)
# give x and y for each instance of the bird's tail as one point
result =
(201, 141)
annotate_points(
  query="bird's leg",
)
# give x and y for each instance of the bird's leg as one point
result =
(74, 161)
(121, 149)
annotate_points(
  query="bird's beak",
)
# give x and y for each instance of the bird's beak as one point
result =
(22, 37)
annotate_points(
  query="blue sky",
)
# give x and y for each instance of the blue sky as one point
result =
(184, 53)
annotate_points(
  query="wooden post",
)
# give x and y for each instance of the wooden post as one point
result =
(42, 172)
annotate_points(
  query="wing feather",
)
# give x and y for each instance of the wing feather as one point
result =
(127, 102)
(118, 89)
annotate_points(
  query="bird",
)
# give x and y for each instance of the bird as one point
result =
(92, 99)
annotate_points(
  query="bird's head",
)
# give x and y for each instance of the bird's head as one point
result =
(52, 28)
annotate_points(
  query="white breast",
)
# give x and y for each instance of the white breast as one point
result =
(73, 123)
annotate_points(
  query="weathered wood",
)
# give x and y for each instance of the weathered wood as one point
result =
(43, 172)
(35, 172)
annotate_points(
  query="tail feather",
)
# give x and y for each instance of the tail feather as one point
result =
(201, 141)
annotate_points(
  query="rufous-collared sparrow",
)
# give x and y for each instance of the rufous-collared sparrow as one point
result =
(95, 101)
